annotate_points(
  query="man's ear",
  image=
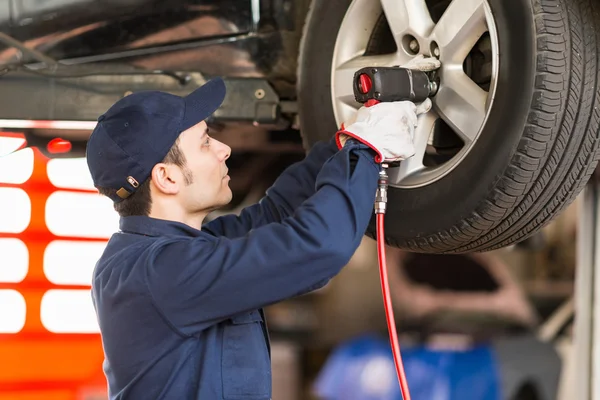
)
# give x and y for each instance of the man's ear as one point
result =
(165, 179)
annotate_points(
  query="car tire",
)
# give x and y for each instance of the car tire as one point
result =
(536, 151)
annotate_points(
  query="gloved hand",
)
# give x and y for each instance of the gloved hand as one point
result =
(388, 128)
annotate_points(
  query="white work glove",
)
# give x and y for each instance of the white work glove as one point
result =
(389, 127)
(423, 64)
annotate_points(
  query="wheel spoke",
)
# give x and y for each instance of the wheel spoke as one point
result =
(458, 30)
(414, 164)
(461, 103)
(344, 74)
(407, 17)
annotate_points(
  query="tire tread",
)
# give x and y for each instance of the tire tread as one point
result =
(559, 148)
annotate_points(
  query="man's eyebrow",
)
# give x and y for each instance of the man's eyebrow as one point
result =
(204, 133)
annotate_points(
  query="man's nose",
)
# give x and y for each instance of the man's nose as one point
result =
(226, 151)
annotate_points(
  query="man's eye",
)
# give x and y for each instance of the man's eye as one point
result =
(207, 141)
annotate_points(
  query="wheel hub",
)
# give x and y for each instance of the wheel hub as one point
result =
(391, 32)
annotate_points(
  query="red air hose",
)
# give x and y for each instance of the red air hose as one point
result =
(380, 206)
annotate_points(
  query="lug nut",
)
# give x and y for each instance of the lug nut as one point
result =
(435, 49)
(414, 45)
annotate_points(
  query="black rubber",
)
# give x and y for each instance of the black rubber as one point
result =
(538, 148)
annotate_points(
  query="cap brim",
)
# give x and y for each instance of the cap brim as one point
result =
(203, 102)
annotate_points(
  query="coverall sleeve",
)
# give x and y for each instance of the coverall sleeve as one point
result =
(201, 281)
(291, 188)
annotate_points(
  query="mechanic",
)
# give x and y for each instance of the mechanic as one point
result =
(179, 303)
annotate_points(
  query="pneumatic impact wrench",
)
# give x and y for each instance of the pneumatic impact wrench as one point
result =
(373, 85)
(380, 84)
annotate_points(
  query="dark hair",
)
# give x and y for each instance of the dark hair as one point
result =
(139, 202)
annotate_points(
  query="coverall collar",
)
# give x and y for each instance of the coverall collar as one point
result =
(148, 226)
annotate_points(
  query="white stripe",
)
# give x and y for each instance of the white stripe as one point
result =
(13, 310)
(86, 215)
(16, 168)
(30, 124)
(71, 263)
(68, 311)
(15, 260)
(15, 210)
(9, 144)
(70, 173)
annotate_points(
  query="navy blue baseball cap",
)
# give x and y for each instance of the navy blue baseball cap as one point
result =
(138, 131)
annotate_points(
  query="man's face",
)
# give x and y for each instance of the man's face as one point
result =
(205, 161)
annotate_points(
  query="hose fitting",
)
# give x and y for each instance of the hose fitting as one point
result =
(382, 186)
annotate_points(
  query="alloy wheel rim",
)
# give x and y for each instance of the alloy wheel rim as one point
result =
(460, 103)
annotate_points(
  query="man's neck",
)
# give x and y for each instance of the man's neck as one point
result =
(178, 215)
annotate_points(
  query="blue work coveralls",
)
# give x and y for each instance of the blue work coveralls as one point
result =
(180, 309)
